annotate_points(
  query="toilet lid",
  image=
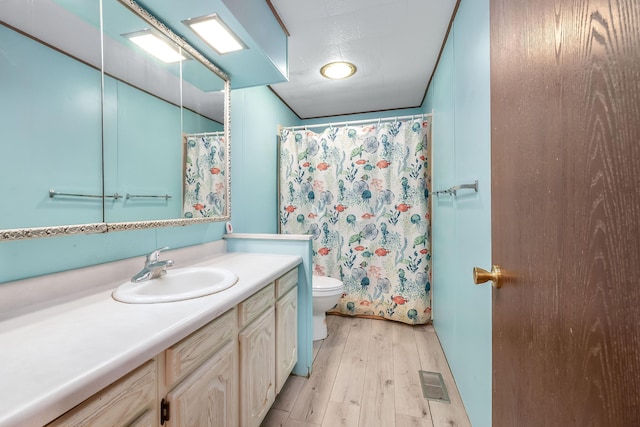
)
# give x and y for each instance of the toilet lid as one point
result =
(326, 284)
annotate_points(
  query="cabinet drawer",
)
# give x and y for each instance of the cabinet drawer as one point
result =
(148, 419)
(251, 308)
(120, 404)
(286, 282)
(188, 354)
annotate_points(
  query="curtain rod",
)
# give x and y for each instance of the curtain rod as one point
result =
(216, 133)
(358, 122)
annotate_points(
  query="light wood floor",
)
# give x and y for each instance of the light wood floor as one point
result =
(365, 373)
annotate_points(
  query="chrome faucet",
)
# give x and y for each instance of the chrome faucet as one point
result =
(153, 267)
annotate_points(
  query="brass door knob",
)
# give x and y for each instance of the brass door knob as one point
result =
(480, 276)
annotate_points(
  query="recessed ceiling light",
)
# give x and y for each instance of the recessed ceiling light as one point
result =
(156, 45)
(338, 70)
(215, 33)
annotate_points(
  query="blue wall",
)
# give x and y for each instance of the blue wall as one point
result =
(460, 97)
(135, 121)
(50, 116)
(255, 116)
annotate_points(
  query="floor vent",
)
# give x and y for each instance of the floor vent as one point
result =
(433, 387)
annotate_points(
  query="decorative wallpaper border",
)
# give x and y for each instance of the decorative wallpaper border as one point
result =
(55, 231)
(102, 227)
(141, 225)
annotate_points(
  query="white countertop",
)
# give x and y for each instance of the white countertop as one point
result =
(55, 358)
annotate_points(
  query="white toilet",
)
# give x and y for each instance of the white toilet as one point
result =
(326, 293)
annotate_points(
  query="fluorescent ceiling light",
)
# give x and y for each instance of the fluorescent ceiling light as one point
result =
(215, 33)
(156, 46)
(338, 70)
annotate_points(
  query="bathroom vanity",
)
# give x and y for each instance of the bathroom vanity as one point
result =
(215, 360)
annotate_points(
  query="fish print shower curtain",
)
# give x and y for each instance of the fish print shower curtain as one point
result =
(363, 192)
(204, 176)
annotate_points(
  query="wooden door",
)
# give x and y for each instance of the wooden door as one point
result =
(565, 112)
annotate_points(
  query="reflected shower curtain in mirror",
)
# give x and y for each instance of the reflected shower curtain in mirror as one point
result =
(204, 175)
(363, 192)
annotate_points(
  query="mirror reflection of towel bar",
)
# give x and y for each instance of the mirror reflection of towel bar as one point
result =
(133, 196)
(454, 190)
(53, 193)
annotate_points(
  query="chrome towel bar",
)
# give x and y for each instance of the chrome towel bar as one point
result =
(53, 193)
(453, 191)
(134, 196)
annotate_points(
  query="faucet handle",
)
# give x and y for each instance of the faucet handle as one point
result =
(153, 256)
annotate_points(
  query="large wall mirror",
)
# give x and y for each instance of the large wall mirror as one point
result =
(98, 135)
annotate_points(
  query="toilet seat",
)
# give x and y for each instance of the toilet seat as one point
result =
(323, 285)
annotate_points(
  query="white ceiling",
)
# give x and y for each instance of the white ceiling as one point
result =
(393, 43)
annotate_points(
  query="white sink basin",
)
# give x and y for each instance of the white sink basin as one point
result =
(177, 285)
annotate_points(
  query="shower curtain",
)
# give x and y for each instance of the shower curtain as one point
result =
(362, 192)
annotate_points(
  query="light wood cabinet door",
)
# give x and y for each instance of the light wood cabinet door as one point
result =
(129, 401)
(257, 369)
(207, 397)
(286, 336)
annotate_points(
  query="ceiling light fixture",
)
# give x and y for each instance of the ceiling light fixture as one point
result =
(338, 70)
(215, 33)
(156, 45)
